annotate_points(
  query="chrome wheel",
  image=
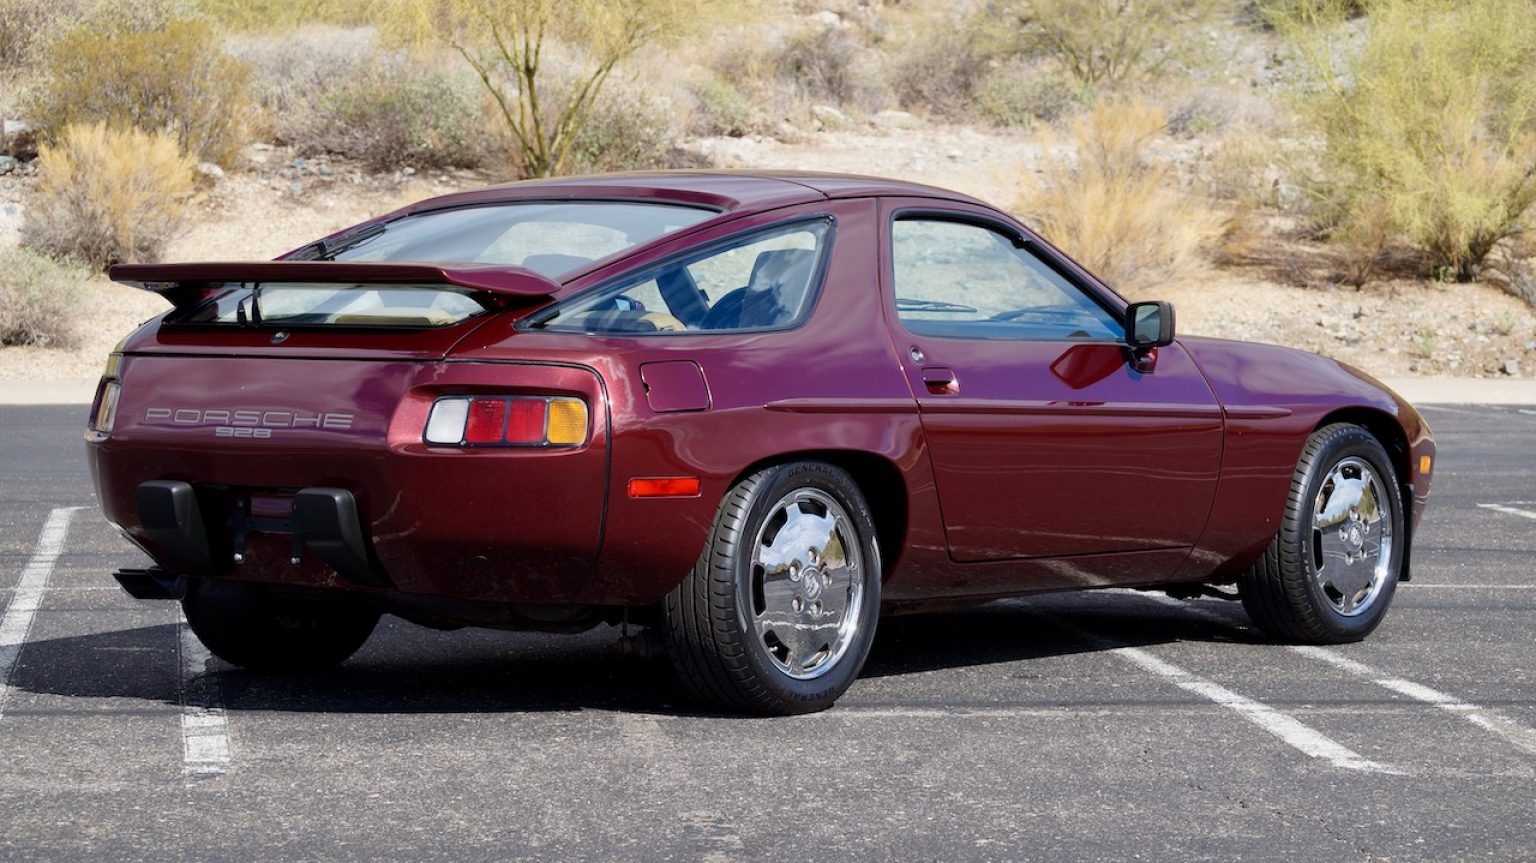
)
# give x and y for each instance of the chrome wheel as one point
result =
(1351, 537)
(806, 583)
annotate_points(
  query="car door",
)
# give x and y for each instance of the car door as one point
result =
(1045, 438)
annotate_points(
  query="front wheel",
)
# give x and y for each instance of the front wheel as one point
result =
(247, 625)
(1330, 572)
(779, 613)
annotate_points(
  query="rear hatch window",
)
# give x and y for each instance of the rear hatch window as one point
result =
(333, 305)
(550, 238)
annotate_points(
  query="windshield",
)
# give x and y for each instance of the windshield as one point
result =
(549, 238)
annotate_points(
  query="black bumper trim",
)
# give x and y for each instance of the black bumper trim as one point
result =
(326, 520)
(173, 521)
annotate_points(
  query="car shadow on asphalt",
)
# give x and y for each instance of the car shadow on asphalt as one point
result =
(408, 670)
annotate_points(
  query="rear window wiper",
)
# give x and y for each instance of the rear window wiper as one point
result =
(326, 250)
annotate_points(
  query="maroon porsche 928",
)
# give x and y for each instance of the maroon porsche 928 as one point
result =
(746, 412)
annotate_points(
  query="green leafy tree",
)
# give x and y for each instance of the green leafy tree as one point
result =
(507, 44)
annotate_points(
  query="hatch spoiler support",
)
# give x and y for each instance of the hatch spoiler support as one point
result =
(186, 285)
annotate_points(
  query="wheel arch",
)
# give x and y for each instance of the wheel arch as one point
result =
(878, 479)
(1384, 427)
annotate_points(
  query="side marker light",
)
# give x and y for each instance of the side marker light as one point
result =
(664, 486)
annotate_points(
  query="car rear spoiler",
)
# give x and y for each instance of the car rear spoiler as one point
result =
(187, 284)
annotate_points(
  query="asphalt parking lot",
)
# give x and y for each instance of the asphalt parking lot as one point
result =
(1106, 726)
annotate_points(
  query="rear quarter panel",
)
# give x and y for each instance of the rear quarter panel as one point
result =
(831, 386)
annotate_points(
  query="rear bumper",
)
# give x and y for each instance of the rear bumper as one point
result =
(368, 508)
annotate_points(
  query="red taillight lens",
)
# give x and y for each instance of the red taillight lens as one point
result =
(487, 419)
(525, 425)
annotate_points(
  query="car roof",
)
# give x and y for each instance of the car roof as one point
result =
(728, 191)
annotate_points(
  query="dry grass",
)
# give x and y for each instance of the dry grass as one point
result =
(1114, 210)
(108, 195)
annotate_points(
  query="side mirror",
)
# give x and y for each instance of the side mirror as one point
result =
(1148, 325)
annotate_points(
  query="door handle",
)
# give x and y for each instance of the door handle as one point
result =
(940, 381)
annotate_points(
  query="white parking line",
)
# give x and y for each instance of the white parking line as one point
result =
(16, 625)
(1292, 731)
(1417, 586)
(204, 727)
(1444, 409)
(1521, 736)
(1508, 510)
(1512, 731)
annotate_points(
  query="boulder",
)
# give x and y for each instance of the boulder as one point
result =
(830, 117)
(18, 140)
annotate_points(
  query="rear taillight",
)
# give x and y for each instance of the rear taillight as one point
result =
(104, 408)
(507, 421)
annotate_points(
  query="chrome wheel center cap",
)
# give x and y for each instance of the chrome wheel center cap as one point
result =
(812, 584)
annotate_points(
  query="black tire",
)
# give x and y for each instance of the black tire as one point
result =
(249, 626)
(1282, 592)
(710, 622)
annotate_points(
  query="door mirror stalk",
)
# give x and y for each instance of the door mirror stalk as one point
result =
(1148, 326)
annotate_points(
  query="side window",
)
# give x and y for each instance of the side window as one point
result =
(762, 281)
(961, 280)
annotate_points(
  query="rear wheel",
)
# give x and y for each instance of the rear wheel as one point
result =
(1329, 574)
(247, 625)
(779, 613)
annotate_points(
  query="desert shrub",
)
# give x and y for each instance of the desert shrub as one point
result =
(334, 90)
(425, 119)
(281, 15)
(1113, 42)
(1114, 209)
(938, 59)
(38, 300)
(1430, 126)
(22, 24)
(294, 75)
(175, 79)
(828, 64)
(628, 131)
(108, 195)
(1016, 94)
(722, 109)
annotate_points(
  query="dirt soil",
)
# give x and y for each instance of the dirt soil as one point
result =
(274, 203)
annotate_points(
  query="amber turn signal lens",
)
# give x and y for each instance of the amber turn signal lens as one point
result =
(567, 422)
(1424, 464)
(664, 486)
